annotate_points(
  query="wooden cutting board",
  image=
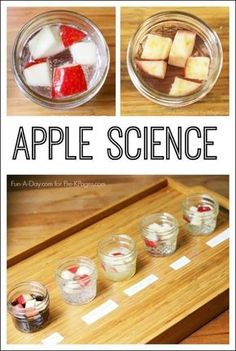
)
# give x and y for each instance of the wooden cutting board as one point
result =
(171, 308)
(102, 104)
(215, 103)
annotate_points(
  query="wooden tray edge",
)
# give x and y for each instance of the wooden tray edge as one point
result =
(101, 214)
(195, 320)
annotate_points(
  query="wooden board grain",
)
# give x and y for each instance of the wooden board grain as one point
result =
(216, 103)
(149, 315)
(102, 104)
(40, 206)
(214, 332)
(39, 217)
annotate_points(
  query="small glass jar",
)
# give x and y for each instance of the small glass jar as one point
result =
(200, 213)
(166, 24)
(159, 232)
(118, 257)
(55, 18)
(77, 280)
(28, 304)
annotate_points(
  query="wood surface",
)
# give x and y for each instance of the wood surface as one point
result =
(38, 217)
(152, 312)
(102, 104)
(215, 103)
(214, 332)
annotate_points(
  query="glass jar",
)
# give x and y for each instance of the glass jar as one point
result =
(159, 232)
(118, 257)
(167, 23)
(28, 304)
(200, 213)
(77, 280)
(54, 18)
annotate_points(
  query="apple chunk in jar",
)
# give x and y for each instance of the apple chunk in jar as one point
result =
(77, 280)
(60, 59)
(200, 213)
(118, 257)
(159, 232)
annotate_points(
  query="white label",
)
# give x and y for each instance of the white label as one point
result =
(182, 261)
(53, 339)
(141, 285)
(218, 238)
(100, 312)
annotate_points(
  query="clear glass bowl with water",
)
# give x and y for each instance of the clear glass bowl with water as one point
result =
(166, 24)
(95, 74)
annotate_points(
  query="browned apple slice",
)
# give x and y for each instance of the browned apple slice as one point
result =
(181, 48)
(153, 68)
(182, 87)
(197, 68)
(156, 47)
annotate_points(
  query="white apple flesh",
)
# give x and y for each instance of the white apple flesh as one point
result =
(38, 75)
(182, 87)
(156, 47)
(153, 68)
(197, 68)
(46, 42)
(84, 53)
(181, 48)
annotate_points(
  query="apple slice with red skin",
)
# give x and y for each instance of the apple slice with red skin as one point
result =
(73, 269)
(204, 208)
(70, 35)
(68, 80)
(150, 243)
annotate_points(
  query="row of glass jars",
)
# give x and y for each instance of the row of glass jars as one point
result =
(77, 277)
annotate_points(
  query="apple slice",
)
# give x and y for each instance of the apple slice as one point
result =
(45, 43)
(153, 68)
(182, 87)
(197, 67)
(38, 75)
(181, 48)
(156, 47)
(84, 53)
(30, 303)
(68, 80)
(67, 275)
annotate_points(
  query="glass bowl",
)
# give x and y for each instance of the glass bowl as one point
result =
(66, 18)
(168, 23)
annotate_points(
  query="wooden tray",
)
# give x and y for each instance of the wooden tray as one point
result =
(216, 103)
(165, 312)
(41, 217)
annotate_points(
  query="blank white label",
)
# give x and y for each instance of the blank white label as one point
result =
(181, 262)
(100, 312)
(218, 238)
(141, 285)
(53, 339)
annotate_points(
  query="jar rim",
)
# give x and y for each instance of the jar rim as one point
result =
(74, 260)
(26, 283)
(68, 102)
(191, 197)
(116, 237)
(159, 215)
(162, 98)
